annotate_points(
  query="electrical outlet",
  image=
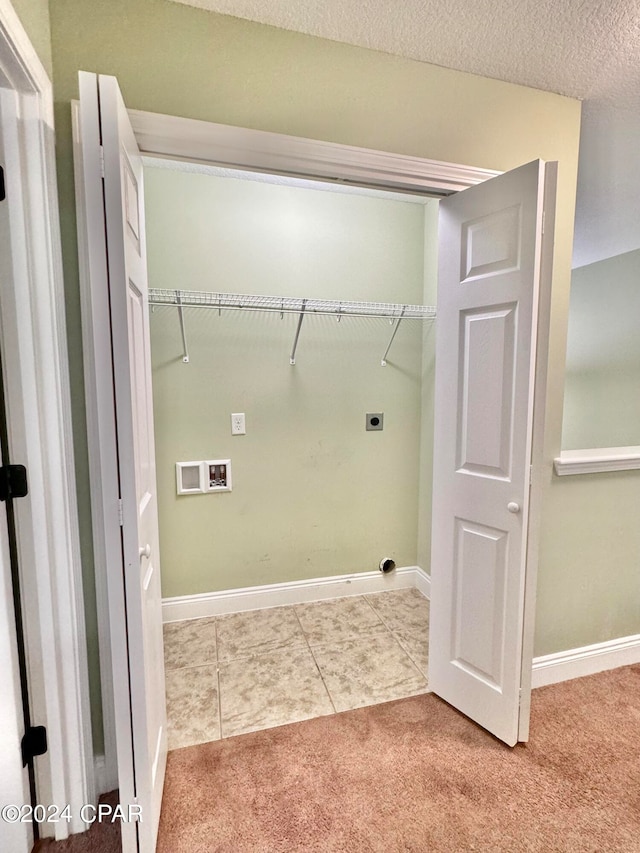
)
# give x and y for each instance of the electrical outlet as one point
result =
(238, 424)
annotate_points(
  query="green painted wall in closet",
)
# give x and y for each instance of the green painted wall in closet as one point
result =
(314, 493)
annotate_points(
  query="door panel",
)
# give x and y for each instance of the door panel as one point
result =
(128, 288)
(479, 583)
(485, 425)
(488, 291)
(119, 265)
(491, 244)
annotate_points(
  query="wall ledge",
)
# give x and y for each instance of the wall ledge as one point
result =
(294, 592)
(597, 460)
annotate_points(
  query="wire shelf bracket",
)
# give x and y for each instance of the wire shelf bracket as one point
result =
(383, 361)
(181, 299)
(292, 359)
(185, 357)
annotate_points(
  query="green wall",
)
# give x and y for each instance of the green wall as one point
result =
(427, 388)
(184, 61)
(314, 494)
(589, 583)
(589, 588)
(602, 393)
(34, 15)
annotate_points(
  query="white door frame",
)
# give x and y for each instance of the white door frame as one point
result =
(33, 334)
(276, 153)
(192, 140)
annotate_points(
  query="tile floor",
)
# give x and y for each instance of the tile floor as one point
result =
(228, 675)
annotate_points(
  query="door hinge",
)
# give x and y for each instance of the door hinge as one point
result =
(543, 217)
(101, 161)
(120, 513)
(33, 743)
(3, 193)
(13, 482)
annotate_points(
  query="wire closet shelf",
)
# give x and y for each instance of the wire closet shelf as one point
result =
(181, 299)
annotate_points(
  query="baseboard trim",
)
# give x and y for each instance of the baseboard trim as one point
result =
(106, 779)
(422, 582)
(588, 660)
(295, 592)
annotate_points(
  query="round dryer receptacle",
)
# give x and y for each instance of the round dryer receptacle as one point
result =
(386, 565)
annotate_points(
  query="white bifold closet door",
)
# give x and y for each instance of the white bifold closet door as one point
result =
(493, 298)
(115, 236)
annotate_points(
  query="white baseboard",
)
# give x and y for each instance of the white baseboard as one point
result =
(106, 778)
(295, 592)
(422, 582)
(588, 660)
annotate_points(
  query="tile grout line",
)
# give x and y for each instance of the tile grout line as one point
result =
(418, 670)
(298, 644)
(208, 663)
(393, 634)
(249, 654)
(218, 680)
(188, 666)
(313, 657)
(389, 632)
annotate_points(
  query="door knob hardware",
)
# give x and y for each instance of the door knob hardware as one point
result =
(145, 552)
(512, 506)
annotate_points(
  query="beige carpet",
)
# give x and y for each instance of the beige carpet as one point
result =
(101, 838)
(414, 775)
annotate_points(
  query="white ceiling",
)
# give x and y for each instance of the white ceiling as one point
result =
(588, 49)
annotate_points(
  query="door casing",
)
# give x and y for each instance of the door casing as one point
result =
(34, 341)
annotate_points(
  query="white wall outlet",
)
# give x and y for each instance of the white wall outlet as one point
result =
(238, 424)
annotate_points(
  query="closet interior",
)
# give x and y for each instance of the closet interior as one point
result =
(292, 340)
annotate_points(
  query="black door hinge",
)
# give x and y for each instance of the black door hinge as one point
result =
(33, 743)
(13, 482)
(3, 193)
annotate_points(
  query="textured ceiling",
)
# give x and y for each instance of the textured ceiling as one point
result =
(582, 48)
(588, 49)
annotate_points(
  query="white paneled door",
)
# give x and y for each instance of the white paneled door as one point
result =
(493, 275)
(116, 240)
